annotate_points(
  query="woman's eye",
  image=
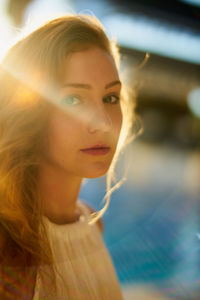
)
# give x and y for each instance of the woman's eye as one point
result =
(112, 99)
(71, 100)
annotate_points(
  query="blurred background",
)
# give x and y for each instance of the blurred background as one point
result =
(152, 227)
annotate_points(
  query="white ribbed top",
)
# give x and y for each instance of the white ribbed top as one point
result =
(80, 256)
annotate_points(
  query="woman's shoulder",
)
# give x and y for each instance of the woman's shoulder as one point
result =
(99, 222)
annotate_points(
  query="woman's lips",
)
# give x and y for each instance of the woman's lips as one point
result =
(96, 151)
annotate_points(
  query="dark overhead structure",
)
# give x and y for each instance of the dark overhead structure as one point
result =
(16, 9)
(177, 12)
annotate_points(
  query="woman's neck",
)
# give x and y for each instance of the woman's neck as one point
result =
(59, 193)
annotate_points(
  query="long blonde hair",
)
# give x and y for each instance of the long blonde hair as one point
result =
(29, 73)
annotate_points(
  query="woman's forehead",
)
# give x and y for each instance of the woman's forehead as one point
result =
(89, 65)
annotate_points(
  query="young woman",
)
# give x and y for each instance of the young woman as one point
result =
(63, 118)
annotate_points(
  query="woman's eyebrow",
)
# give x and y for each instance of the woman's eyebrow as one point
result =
(89, 87)
(113, 83)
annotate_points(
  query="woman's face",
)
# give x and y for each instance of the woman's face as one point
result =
(90, 116)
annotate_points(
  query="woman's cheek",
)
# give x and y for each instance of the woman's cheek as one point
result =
(119, 119)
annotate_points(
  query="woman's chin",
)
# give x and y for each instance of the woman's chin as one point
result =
(96, 172)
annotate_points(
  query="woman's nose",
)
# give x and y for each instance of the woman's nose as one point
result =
(99, 120)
